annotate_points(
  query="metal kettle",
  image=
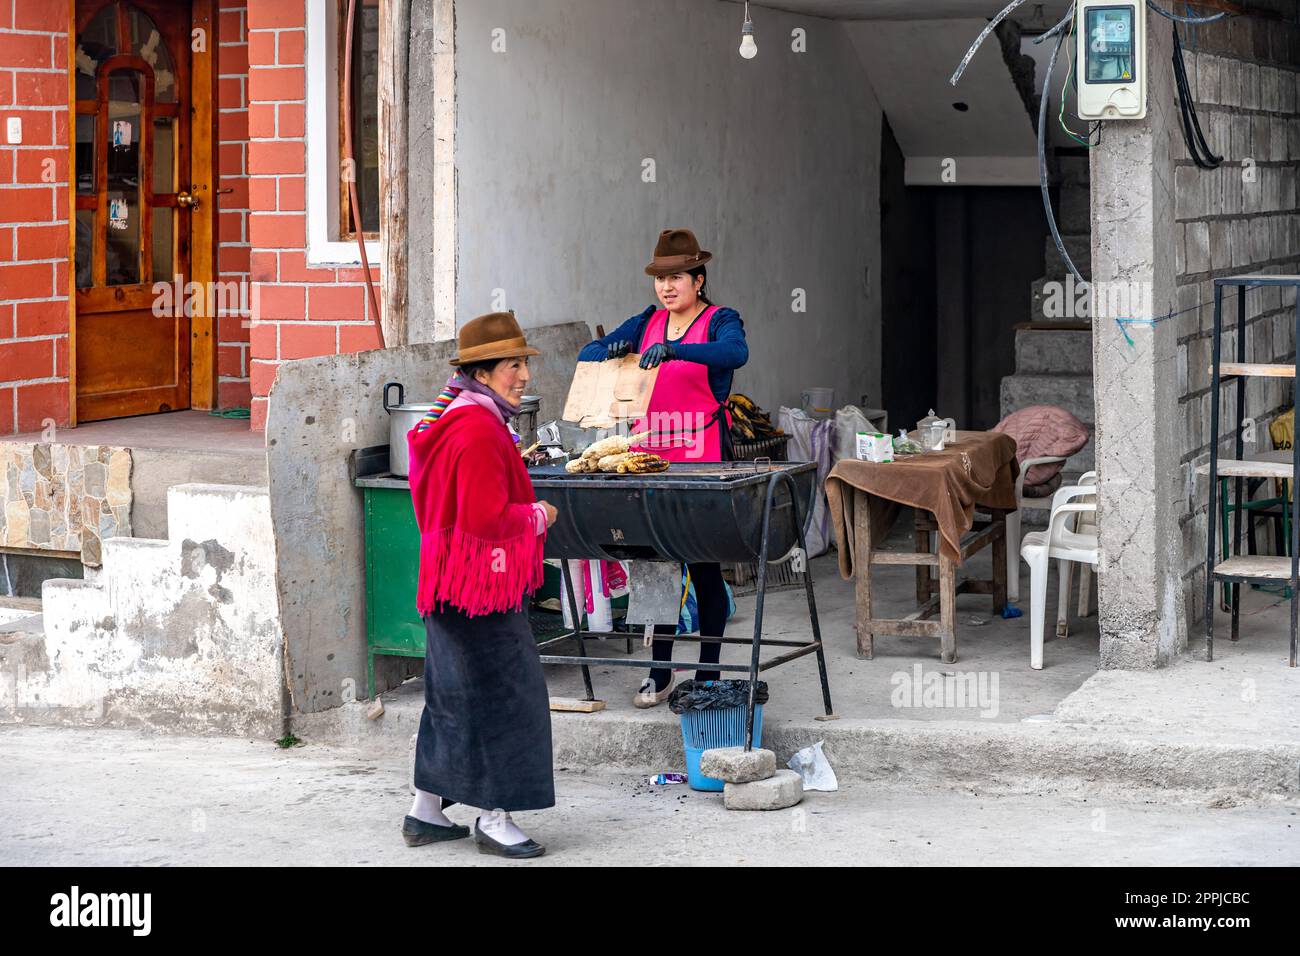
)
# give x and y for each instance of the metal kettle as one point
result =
(401, 419)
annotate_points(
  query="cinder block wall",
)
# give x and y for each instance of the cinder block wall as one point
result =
(1241, 218)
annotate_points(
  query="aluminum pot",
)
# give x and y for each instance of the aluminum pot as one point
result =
(401, 419)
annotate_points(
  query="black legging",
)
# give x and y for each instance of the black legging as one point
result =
(711, 597)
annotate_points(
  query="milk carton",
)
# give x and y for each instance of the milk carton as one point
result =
(873, 446)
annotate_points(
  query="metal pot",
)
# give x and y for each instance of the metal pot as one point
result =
(401, 419)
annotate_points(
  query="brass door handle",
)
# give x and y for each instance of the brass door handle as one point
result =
(187, 201)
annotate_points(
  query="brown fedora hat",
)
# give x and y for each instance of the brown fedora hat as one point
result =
(496, 335)
(676, 251)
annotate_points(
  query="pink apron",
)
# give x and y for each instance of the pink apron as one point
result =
(683, 415)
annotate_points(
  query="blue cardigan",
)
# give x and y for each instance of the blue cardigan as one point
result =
(725, 351)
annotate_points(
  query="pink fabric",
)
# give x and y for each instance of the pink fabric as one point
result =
(482, 401)
(1044, 431)
(682, 404)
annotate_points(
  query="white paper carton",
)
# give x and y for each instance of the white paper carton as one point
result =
(873, 446)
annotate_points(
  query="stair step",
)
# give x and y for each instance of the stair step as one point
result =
(30, 624)
(1075, 210)
(1238, 468)
(1063, 295)
(1080, 250)
(1053, 351)
(1255, 369)
(1255, 567)
(1071, 392)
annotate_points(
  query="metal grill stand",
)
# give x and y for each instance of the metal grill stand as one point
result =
(755, 666)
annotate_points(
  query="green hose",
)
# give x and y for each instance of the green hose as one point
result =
(230, 413)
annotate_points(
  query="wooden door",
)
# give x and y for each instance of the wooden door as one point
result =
(133, 206)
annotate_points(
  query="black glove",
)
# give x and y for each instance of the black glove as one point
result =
(617, 349)
(657, 353)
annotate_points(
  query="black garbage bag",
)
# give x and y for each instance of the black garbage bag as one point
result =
(714, 695)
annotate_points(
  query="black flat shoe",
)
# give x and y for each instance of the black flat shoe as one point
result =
(418, 833)
(519, 851)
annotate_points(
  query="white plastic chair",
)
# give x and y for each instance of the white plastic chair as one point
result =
(1013, 519)
(1066, 542)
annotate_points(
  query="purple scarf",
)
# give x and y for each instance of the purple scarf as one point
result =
(461, 382)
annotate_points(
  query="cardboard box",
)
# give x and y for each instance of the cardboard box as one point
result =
(606, 393)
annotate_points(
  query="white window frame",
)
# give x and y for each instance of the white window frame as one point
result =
(324, 248)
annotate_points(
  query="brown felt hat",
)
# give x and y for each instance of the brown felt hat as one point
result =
(676, 251)
(496, 335)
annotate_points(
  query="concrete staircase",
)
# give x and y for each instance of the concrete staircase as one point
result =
(180, 634)
(1054, 364)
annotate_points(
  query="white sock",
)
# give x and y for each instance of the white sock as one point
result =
(428, 807)
(498, 825)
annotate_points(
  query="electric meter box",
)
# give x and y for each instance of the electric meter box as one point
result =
(1111, 59)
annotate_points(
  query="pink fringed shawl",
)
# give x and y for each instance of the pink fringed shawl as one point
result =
(480, 550)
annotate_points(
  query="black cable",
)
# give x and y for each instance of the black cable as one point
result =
(1042, 150)
(1197, 147)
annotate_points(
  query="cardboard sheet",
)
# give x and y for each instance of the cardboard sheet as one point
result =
(606, 393)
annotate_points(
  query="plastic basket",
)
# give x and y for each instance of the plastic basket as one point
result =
(706, 729)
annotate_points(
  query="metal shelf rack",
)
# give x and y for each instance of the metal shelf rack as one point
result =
(1239, 567)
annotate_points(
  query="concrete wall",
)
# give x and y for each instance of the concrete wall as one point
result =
(1239, 219)
(320, 410)
(773, 162)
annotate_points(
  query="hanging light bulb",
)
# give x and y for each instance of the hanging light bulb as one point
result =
(748, 48)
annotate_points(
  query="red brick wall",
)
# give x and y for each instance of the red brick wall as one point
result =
(33, 215)
(302, 311)
(232, 220)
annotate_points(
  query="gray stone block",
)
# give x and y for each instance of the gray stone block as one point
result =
(734, 765)
(783, 789)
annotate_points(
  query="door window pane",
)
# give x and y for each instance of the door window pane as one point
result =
(164, 155)
(147, 43)
(95, 44)
(86, 154)
(122, 264)
(163, 217)
(85, 247)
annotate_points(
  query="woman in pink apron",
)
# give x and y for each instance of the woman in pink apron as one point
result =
(697, 346)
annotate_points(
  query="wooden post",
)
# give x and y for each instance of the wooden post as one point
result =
(394, 37)
(999, 561)
(923, 576)
(862, 571)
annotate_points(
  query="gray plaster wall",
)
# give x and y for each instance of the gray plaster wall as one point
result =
(321, 409)
(1239, 219)
(773, 162)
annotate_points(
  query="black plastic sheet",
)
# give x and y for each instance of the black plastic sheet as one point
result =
(714, 695)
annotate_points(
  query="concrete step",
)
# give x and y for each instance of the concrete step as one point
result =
(1071, 392)
(1025, 757)
(1054, 351)
(1074, 170)
(69, 604)
(1059, 295)
(1074, 213)
(1080, 250)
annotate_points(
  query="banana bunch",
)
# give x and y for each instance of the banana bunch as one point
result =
(748, 421)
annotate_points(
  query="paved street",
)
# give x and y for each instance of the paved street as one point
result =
(100, 797)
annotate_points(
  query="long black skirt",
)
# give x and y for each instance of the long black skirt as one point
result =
(485, 734)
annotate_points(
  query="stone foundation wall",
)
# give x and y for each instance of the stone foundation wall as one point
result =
(64, 498)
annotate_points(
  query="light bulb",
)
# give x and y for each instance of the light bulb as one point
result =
(748, 48)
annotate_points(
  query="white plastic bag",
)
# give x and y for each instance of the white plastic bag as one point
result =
(811, 764)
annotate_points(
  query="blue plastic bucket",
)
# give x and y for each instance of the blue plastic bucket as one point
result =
(706, 729)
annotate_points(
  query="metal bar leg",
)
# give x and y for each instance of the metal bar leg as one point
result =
(758, 616)
(1295, 505)
(1212, 511)
(812, 600)
(1240, 447)
(566, 582)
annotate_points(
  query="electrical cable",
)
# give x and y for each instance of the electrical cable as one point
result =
(1181, 19)
(1197, 147)
(1042, 152)
(979, 40)
(1065, 87)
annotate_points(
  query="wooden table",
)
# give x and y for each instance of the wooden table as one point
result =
(932, 595)
(949, 491)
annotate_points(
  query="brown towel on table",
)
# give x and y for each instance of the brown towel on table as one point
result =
(978, 470)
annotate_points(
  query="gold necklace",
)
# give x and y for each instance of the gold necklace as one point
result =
(678, 333)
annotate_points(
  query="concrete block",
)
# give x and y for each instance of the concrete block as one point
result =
(734, 765)
(1047, 351)
(783, 789)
